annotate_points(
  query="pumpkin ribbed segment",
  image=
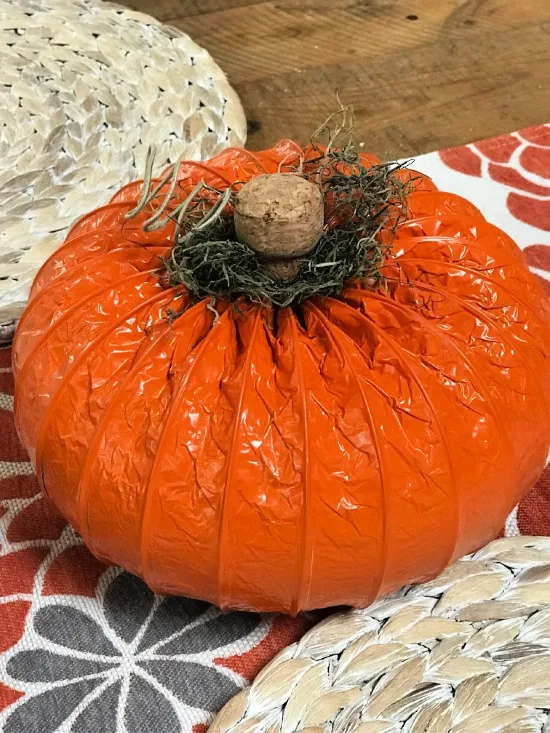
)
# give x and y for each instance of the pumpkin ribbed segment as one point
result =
(173, 498)
(113, 420)
(229, 506)
(357, 365)
(282, 461)
(305, 542)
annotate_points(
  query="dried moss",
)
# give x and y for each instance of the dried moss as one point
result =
(362, 203)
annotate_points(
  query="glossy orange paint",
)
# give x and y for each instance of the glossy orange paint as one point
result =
(265, 461)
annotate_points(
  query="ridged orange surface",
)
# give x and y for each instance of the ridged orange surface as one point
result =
(324, 459)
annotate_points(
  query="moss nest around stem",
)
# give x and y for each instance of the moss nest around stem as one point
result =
(363, 205)
(212, 262)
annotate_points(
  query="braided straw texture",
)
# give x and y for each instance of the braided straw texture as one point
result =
(466, 653)
(85, 88)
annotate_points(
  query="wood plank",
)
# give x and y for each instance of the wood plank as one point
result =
(421, 74)
(168, 10)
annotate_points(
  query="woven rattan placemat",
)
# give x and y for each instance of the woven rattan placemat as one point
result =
(466, 653)
(85, 88)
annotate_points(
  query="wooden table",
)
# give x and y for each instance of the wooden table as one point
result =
(421, 74)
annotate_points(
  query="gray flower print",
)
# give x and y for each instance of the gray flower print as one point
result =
(134, 668)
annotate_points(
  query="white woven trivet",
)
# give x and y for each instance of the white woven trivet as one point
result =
(466, 653)
(85, 88)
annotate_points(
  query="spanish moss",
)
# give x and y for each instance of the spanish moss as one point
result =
(364, 205)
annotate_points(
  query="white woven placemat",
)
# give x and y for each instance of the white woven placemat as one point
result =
(85, 88)
(467, 653)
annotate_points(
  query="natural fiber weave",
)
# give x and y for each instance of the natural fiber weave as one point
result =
(85, 88)
(466, 653)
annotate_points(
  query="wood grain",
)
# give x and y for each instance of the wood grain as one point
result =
(421, 74)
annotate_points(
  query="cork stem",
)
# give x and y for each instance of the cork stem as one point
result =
(281, 217)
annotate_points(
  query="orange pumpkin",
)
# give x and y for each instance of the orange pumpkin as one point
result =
(365, 442)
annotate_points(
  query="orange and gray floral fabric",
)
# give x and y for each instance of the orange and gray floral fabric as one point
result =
(84, 647)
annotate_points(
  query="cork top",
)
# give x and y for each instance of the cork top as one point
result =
(280, 215)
